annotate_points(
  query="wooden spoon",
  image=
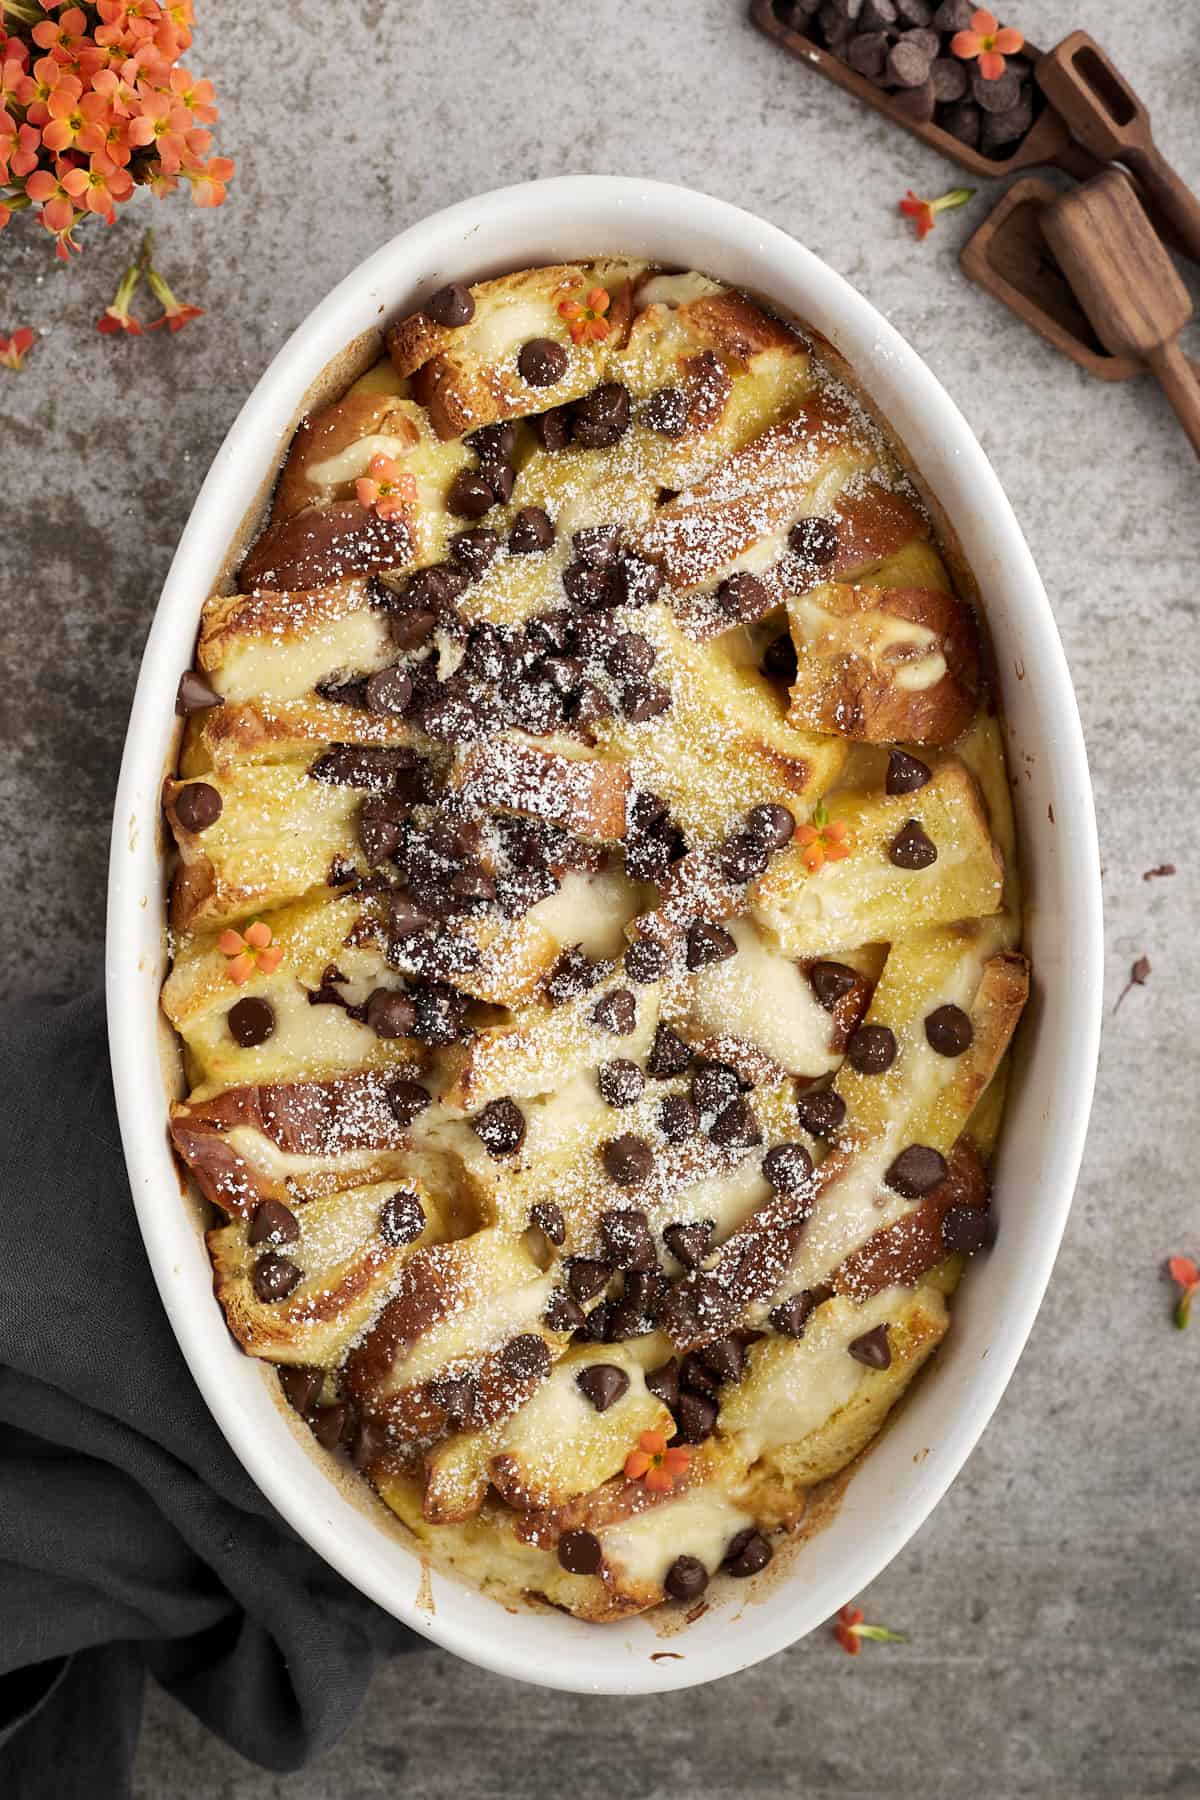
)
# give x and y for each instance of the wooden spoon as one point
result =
(1126, 284)
(1105, 114)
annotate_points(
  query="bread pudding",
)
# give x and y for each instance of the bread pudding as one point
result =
(595, 931)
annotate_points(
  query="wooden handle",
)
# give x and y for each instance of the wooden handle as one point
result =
(1179, 382)
(1169, 201)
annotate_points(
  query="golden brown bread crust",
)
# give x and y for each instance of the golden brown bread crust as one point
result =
(324, 545)
(332, 431)
(229, 620)
(584, 796)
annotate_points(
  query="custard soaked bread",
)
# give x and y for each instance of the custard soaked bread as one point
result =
(596, 932)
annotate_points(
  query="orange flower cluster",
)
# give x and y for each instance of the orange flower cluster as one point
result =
(93, 103)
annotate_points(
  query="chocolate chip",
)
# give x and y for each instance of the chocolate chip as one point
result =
(401, 1219)
(525, 1357)
(916, 1171)
(388, 690)
(669, 1055)
(645, 961)
(405, 918)
(562, 1313)
(410, 626)
(815, 541)
(587, 588)
(328, 1425)
(830, 981)
(696, 1417)
(620, 1081)
(949, 78)
(916, 13)
(779, 659)
(964, 121)
(573, 974)
(708, 943)
(616, 1012)
(195, 694)
(872, 1049)
(437, 587)
(876, 15)
(912, 848)
(579, 1552)
(470, 496)
(1003, 128)
(714, 1086)
(625, 1238)
(390, 1013)
(949, 1030)
(791, 1316)
(603, 1384)
(197, 806)
(995, 96)
(273, 1223)
(663, 1382)
(628, 1160)
(452, 305)
(788, 1168)
(596, 545)
(493, 443)
(872, 1349)
(736, 1128)
(905, 773)
(630, 656)
(456, 1395)
(552, 429)
(908, 64)
(686, 1579)
(743, 858)
(602, 417)
(301, 1386)
(666, 411)
(542, 362)
(441, 1014)
(820, 1111)
(547, 1216)
(274, 1277)
(407, 1099)
(953, 15)
(474, 550)
(251, 1022)
(725, 1358)
(473, 882)
(678, 1119)
(501, 477)
(691, 1241)
(747, 1553)
(868, 52)
(743, 597)
(586, 1277)
(371, 1441)
(531, 530)
(772, 825)
(642, 700)
(966, 1229)
(550, 631)
(635, 581)
(500, 1127)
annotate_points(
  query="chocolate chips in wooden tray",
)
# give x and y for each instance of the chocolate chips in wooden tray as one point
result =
(903, 47)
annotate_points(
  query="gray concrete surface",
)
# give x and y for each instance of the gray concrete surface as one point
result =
(1052, 1601)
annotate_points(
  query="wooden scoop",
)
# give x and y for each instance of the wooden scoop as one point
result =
(1107, 117)
(1126, 284)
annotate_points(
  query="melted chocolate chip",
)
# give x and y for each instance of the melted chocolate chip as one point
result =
(872, 1049)
(586, 1276)
(815, 541)
(500, 1127)
(388, 690)
(725, 1359)
(411, 626)
(195, 694)
(788, 1168)
(696, 1417)
(830, 981)
(579, 1552)
(602, 417)
(743, 597)
(714, 1086)
(628, 1160)
(620, 1081)
(329, 1424)
(645, 961)
(966, 1229)
(470, 495)
(451, 306)
(552, 429)
(772, 825)
(251, 1022)
(630, 656)
(669, 1055)
(474, 550)
(872, 1349)
(736, 1128)
(526, 1357)
(573, 974)
(820, 1111)
(635, 582)
(686, 1579)
(663, 1382)
(273, 1223)
(197, 806)
(301, 1386)
(779, 659)
(390, 1013)
(456, 1395)
(401, 1219)
(747, 1553)
(916, 1171)
(666, 411)
(532, 530)
(616, 1012)
(625, 1238)
(791, 1316)
(603, 1384)
(708, 943)
(542, 362)
(562, 1313)
(949, 1030)
(678, 1119)
(407, 1099)
(912, 847)
(371, 1440)
(548, 1218)
(642, 700)
(744, 857)
(691, 1241)
(274, 1278)
(905, 774)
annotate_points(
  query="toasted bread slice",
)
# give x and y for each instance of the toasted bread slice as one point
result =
(561, 786)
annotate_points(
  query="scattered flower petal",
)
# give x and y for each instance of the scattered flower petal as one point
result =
(16, 347)
(924, 212)
(850, 1630)
(1186, 1276)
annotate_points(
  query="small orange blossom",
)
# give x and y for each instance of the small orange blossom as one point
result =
(252, 951)
(656, 1464)
(1186, 1276)
(850, 1631)
(385, 486)
(988, 40)
(15, 348)
(923, 212)
(824, 840)
(586, 317)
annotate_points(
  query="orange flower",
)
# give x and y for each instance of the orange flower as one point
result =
(924, 211)
(196, 96)
(64, 38)
(23, 160)
(656, 1464)
(251, 952)
(386, 487)
(824, 840)
(208, 183)
(850, 1631)
(99, 187)
(176, 313)
(586, 317)
(117, 317)
(14, 349)
(159, 124)
(65, 119)
(989, 41)
(1186, 1276)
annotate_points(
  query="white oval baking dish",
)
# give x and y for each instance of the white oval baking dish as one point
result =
(914, 1463)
